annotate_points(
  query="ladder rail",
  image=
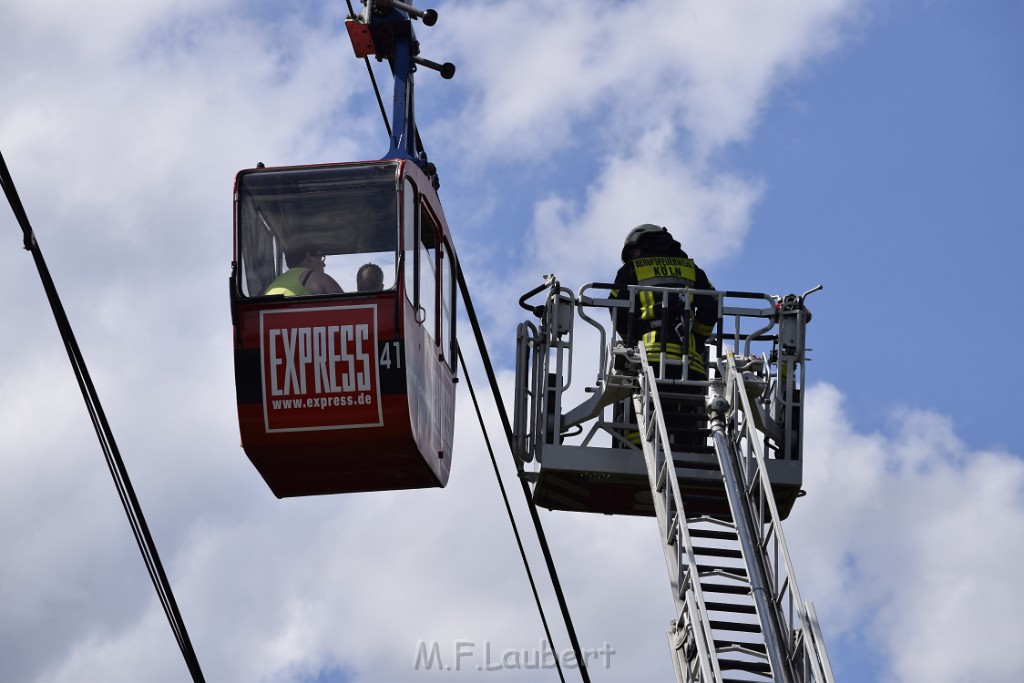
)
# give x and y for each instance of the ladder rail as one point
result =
(687, 593)
(773, 626)
(806, 642)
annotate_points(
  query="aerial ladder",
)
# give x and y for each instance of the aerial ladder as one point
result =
(717, 461)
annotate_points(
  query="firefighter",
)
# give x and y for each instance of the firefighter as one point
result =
(651, 257)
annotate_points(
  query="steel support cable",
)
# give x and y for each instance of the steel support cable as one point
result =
(380, 100)
(103, 432)
(373, 80)
(541, 537)
(511, 517)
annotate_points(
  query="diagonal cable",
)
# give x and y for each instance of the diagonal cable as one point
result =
(373, 79)
(541, 537)
(508, 510)
(103, 432)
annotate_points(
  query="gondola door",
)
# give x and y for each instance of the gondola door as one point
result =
(430, 326)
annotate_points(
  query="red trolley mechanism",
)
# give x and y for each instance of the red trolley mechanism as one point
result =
(345, 372)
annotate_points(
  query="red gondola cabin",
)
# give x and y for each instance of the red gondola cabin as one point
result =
(350, 391)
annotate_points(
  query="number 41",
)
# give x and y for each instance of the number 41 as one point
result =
(385, 355)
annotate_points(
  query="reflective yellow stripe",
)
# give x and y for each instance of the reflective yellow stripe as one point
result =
(696, 358)
(653, 346)
(646, 305)
(674, 352)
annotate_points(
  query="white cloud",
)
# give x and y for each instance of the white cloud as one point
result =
(150, 128)
(909, 540)
(734, 53)
(626, 105)
(537, 71)
(707, 211)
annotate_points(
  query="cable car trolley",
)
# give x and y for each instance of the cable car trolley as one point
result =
(343, 306)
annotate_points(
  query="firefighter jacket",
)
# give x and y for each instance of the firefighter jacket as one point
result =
(657, 325)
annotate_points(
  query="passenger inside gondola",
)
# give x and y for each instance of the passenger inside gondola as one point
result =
(348, 213)
(370, 278)
(305, 274)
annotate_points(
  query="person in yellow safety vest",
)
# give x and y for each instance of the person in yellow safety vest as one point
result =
(651, 257)
(305, 274)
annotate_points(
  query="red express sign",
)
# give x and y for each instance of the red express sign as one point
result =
(320, 368)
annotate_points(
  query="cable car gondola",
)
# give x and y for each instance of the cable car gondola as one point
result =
(351, 390)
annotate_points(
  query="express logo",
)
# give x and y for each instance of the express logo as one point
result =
(320, 368)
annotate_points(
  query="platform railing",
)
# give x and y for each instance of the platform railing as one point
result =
(746, 323)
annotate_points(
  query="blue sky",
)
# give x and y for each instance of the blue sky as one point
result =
(871, 146)
(901, 150)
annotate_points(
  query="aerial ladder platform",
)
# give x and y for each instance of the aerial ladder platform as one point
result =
(717, 461)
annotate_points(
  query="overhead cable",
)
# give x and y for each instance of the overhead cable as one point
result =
(508, 510)
(541, 538)
(373, 80)
(103, 432)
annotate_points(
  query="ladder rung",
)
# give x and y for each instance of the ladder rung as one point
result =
(730, 607)
(745, 665)
(718, 552)
(703, 568)
(725, 589)
(755, 647)
(743, 626)
(712, 533)
(715, 521)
